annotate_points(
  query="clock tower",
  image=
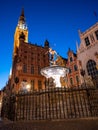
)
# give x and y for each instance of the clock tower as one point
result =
(20, 29)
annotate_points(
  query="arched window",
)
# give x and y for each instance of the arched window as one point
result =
(91, 68)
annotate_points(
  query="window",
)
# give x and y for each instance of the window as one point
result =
(25, 68)
(75, 68)
(71, 59)
(39, 70)
(44, 61)
(69, 70)
(32, 69)
(25, 51)
(32, 59)
(32, 85)
(92, 38)
(77, 79)
(38, 60)
(43, 55)
(25, 57)
(96, 33)
(91, 68)
(87, 42)
(39, 84)
(71, 81)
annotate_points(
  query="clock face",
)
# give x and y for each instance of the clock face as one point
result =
(22, 26)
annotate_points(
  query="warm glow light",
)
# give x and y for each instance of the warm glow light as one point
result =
(25, 86)
(28, 87)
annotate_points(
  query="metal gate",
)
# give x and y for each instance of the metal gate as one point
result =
(56, 103)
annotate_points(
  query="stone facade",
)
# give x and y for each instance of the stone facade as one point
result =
(87, 51)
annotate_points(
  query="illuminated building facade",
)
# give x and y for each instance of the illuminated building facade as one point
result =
(74, 66)
(28, 59)
(87, 52)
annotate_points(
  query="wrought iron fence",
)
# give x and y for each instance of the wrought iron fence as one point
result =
(54, 103)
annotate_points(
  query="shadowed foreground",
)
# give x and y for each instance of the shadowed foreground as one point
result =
(76, 124)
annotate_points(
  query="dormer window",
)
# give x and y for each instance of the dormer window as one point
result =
(87, 42)
(96, 33)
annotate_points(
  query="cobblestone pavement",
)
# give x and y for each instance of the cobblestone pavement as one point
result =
(77, 124)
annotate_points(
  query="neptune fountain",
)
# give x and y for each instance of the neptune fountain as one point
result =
(54, 70)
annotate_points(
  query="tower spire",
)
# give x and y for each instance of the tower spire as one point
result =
(22, 17)
(22, 21)
(20, 32)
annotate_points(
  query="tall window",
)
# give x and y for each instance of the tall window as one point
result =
(91, 68)
(75, 68)
(32, 69)
(87, 42)
(25, 57)
(39, 70)
(96, 33)
(70, 70)
(25, 68)
(71, 81)
(77, 79)
(32, 85)
(71, 59)
(39, 84)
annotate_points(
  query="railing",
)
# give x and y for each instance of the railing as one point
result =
(54, 103)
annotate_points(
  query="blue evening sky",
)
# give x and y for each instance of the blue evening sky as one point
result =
(58, 21)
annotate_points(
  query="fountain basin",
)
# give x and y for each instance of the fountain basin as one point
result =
(55, 72)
